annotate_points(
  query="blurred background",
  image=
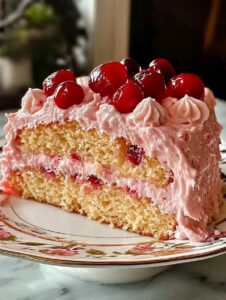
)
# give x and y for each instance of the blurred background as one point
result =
(38, 37)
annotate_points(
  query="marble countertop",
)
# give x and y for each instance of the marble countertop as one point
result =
(23, 280)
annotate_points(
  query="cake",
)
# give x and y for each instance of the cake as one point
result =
(134, 148)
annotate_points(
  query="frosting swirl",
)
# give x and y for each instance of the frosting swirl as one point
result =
(109, 118)
(147, 113)
(33, 101)
(188, 110)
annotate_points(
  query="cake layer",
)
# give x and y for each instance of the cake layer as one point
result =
(93, 146)
(69, 167)
(105, 203)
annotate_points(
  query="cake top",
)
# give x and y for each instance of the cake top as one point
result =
(145, 97)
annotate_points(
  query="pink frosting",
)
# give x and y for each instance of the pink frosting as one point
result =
(83, 81)
(209, 99)
(190, 151)
(168, 102)
(187, 110)
(33, 101)
(147, 113)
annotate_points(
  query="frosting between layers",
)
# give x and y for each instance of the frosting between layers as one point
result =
(70, 167)
(178, 147)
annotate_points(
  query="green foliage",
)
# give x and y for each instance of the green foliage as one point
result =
(39, 14)
(44, 33)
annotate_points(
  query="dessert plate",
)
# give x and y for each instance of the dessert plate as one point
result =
(46, 234)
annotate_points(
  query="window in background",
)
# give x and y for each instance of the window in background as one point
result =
(36, 38)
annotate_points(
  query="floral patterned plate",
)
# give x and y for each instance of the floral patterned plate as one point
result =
(47, 234)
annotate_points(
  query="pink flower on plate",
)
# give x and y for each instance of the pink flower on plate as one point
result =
(4, 234)
(59, 251)
(141, 249)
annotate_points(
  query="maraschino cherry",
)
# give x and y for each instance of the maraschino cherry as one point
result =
(186, 84)
(107, 78)
(131, 66)
(152, 83)
(127, 96)
(53, 80)
(134, 154)
(68, 93)
(162, 66)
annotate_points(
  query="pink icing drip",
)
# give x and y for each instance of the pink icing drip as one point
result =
(177, 147)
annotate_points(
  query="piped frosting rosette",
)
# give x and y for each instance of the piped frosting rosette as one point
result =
(186, 110)
(147, 113)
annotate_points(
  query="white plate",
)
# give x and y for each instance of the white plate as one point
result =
(49, 235)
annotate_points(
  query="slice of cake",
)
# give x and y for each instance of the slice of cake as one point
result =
(137, 149)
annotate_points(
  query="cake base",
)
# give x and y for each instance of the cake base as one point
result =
(101, 202)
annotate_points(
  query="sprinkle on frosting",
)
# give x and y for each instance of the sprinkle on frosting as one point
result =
(188, 110)
(147, 113)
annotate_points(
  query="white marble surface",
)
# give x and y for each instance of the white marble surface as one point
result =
(23, 280)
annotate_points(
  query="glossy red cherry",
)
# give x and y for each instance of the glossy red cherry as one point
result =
(186, 84)
(134, 154)
(50, 84)
(127, 97)
(107, 78)
(162, 66)
(131, 66)
(152, 84)
(67, 94)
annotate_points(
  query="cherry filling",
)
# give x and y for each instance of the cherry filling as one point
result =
(48, 172)
(18, 139)
(94, 181)
(171, 177)
(132, 193)
(75, 156)
(134, 154)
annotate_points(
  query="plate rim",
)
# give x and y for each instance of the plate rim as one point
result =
(100, 264)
